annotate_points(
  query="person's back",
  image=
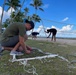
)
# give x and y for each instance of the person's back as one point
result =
(13, 30)
(52, 30)
(34, 35)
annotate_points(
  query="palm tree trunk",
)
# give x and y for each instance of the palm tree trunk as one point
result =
(2, 15)
(35, 21)
(3, 10)
(20, 8)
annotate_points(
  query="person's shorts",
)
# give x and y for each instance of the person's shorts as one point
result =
(54, 33)
(11, 42)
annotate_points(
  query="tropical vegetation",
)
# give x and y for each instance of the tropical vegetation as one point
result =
(18, 15)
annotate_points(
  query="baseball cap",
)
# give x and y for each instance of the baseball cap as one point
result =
(30, 22)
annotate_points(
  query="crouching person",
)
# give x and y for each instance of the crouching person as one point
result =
(13, 38)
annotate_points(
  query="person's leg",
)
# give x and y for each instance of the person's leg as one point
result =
(33, 37)
(15, 50)
(11, 48)
(12, 44)
(16, 46)
(8, 48)
(52, 38)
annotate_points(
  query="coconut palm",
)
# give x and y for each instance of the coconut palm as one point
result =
(26, 10)
(13, 3)
(18, 18)
(6, 23)
(37, 5)
(18, 10)
(36, 18)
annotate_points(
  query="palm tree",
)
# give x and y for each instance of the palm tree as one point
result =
(6, 23)
(37, 5)
(2, 15)
(13, 3)
(36, 18)
(19, 9)
(26, 11)
(18, 18)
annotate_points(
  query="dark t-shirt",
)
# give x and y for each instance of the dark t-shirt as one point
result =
(52, 30)
(35, 33)
(13, 29)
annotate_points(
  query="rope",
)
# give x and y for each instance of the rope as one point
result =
(44, 28)
(58, 22)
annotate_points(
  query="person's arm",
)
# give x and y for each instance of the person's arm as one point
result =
(22, 43)
(49, 35)
(21, 40)
(45, 31)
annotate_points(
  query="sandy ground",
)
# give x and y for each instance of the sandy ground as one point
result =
(61, 41)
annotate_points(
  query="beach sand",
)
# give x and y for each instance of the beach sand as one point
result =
(61, 41)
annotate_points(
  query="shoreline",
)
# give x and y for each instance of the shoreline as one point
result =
(65, 41)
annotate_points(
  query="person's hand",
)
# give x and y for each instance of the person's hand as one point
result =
(28, 51)
(47, 37)
(29, 48)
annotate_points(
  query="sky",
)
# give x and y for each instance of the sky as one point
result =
(59, 14)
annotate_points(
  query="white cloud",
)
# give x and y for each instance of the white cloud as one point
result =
(0, 12)
(6, 13)
(46, 6)
(65, 19)
(39, 28)
(67, 28)
(65, 31)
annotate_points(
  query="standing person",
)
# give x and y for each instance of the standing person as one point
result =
(14, 37)
(53, 31)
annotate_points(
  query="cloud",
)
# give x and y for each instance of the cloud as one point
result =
(65, 19)
(65, 31)
(0, 12)
(6, 13)
(67, 28)
(46, 6)
(39, 28)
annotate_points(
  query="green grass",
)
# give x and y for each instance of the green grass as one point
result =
(56, 66)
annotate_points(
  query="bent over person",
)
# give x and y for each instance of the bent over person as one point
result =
(13, 37)
(52, 31)
(34, 34)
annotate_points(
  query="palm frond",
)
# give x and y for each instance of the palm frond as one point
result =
(32, 4)
(41, 9)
